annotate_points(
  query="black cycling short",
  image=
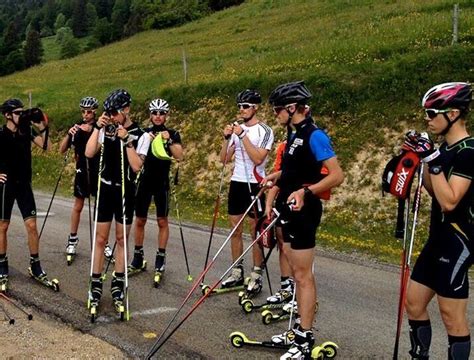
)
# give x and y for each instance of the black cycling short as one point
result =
(143, 201)
(444, 262)
(82, 188)
(23, 194)
(239, 199)
(299, 227)
(110, 204)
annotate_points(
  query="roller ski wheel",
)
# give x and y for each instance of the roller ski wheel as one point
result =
(327, 350)
(269, 316)
(132, 270)
(120, 309)
(239, 339)
(93, 307)
(43, 279)
(248, 306)
(3, 283)
(206, 288)
(157, 279)
(70, 259)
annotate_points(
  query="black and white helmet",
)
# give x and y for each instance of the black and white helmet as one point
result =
(117, 100)
(159, 105)
(249, 96)
(290, 93)
(89, 102)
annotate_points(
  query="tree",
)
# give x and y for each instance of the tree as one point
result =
(11, 41)
(14, 61)
(91, 15)
(120, 15)
(50, 12)
(33, 50)
(79, 18)
(70, 46)
(60, 21)
(62, 33)
(103, 31)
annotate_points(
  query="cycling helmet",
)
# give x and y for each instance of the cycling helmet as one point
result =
(89, 102)
(117, 100)
(456, 95)
(293, 92)
(159, 105)
(249, 96)
(11, 104)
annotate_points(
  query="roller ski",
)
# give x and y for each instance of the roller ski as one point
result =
(71, 249)
(118, 294)
(109, 254)
(95, 295)
(4, 274)
(39, 275)
(303, 347)
(160, 263)
(326, 350)
(235, 282)
(138, 264)
(274, 302)
(269, 316)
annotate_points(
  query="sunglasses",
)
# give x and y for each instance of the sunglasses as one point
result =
(113, 112)
(87, 111)
(17, 112)
(432, 113)
(278, 109)
(162, 112)
(245, 105)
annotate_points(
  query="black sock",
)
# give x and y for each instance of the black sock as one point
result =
(3, 264)
(459, 347)
(73, 235)
(96, 276)
(420, 338)
(284, 278)
(161, 251)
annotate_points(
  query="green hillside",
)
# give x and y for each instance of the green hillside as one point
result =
(367, 63)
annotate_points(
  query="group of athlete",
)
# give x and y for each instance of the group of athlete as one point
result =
(125, 166)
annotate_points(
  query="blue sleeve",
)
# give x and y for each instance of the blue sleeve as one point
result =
(321, 145)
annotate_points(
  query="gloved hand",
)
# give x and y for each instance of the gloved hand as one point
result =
(423, 146)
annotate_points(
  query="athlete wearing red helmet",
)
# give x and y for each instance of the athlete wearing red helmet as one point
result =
(442, 267)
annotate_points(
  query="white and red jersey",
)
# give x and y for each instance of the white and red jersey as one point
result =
(260, 135)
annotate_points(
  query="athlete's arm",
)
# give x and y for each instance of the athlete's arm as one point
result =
(255, 153)
(177, 151)
(271, 195)
(40, 139)
(3, 178)
(449, 193)
(227, 151)
(93, 145)
(427, 181)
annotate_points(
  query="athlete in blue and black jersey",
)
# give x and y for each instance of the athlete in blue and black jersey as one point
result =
(300, 180)
(442, 267)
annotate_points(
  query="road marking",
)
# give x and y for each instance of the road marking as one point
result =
(159, 310)
(43, 214)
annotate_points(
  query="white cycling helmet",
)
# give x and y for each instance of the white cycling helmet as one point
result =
(89, 102)
(159, 105)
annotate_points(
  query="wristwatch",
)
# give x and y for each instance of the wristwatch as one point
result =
(435, 169)
(307, 191)
(130, 144)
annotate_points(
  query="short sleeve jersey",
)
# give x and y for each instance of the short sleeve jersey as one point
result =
(260, 135)
(15, 154)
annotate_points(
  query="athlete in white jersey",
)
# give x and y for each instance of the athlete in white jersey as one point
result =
(249, 144)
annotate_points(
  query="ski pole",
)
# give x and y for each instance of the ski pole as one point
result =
(96, 215)
(158, 345)
(199, 280)
(11, 320)
(54, 192)
(124, 224)
(216, 207)
(406, 258)
(173, 191)
(29, 315)
(89, 188)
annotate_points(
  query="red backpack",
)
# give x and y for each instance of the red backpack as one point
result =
(399, 173)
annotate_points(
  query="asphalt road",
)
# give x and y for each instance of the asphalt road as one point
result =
(358, 298)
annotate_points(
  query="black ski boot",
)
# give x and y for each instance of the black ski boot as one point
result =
(37, 273)
(3, 273)
(118, 293)
(95, 294)
(138, 263)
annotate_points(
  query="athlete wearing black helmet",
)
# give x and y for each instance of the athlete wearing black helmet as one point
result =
(249, 140)
(85, 180)
(112, 130)
(16, 137)
(442, 266)
(299, 181)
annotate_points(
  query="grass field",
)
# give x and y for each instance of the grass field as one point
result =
(367, 63)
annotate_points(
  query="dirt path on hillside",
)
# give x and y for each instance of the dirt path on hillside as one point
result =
(43, 338)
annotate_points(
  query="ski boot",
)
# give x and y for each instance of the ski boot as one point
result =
(302, 345)
(4, 274)
(288, 337)
(160, 262)
(109, 254)
(284, 295)
(255, 283)
(39, 275)
(268, 316)
(234, 282)
(71, 249)
(95, 295)
(118, 294)
(138, 263)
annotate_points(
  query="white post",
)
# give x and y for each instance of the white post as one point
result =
(185, 67)
(30, 100)
(455, 24)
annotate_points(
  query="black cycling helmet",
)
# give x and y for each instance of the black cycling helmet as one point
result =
(249, 96)
(117, 100)
(89, 102)
(455, 95)
(11, 104)
(290, 93)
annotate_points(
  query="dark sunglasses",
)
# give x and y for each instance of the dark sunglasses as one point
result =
(432, 113)
(17, 112)
(162, 112)
(245, 105)
(87, 111)
(113, 112)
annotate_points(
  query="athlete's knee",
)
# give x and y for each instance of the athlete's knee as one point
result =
(78, 205)
(454, 323)
(30, 226)
(162, 222)
(101, 240)
(140, 222)
(4, 226)
(303, 276)
(415, 308)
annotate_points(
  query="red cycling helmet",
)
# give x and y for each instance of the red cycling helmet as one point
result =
(456, 95)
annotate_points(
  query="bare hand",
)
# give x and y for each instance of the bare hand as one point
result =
(122, 133)
(3, 178)
(165, 135)
(103, 120)
(298, 198)
(73, 131)
(227, 131)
